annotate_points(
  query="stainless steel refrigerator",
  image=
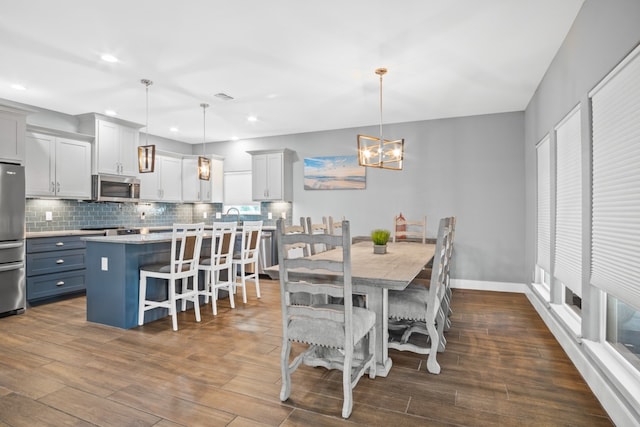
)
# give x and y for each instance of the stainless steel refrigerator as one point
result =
(12, 234)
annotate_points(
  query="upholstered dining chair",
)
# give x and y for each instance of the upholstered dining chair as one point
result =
(323, 326)
(404, 229)
(248, 255)
(186, 242)
(222, 243)
(419, 308)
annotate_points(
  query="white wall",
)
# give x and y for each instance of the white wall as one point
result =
(471, 167)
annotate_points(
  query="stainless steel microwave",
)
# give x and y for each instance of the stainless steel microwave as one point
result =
(115, 188)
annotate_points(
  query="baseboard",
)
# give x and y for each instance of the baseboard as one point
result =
(481, 285)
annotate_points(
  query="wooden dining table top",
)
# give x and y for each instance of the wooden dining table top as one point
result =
(393, 270)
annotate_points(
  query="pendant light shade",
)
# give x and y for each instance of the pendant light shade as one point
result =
(146, 153)
(204, 165)
(378, 152)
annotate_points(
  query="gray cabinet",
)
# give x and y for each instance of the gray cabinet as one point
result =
(55, 266)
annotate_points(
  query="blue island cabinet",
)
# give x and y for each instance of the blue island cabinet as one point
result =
(113, 264)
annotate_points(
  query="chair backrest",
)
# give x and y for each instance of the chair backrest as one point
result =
(296, 249)
(250, 243)
(439, 270)
(186, 242)
(404, 229)
(315, 228)
(333, 227)
(223, 243)
(338, 286)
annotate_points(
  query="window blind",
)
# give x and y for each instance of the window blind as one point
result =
(544, 205)
(568, 237)
(615, 244)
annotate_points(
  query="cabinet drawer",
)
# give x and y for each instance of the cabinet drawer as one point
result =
(56, 284)
(54, 262)
(46, 244)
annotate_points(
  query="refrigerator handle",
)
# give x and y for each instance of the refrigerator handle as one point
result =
(12, 266)
(11, 245)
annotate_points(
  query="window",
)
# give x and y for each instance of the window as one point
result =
(543, 259)
(623, 330)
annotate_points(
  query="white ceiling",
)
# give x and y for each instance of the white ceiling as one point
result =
(298, 66)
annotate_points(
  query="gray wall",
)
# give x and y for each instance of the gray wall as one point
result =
(471, 167)
(602, 35)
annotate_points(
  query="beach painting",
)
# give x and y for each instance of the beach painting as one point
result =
(334, 173)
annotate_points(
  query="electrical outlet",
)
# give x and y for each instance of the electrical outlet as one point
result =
(143, 215)
(48, 216)
(270, 215)
(218, 215)
(283, 215)
(105, 263)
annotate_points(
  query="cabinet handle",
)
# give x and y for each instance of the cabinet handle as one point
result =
(53, 187)
(60, 261)
(60, 283)
(57, 187)
(60, 244)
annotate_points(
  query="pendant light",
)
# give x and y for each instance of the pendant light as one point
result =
(204, 165)
(146, 153)
(378, 152)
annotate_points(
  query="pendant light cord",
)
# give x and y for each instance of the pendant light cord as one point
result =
(147, 83)
(204, 124)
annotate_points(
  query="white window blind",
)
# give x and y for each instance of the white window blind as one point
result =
(568, 238)
(615, 241)
(544, 205)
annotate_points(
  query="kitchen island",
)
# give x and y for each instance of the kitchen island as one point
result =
(113, 264)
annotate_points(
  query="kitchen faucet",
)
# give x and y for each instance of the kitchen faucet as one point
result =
(237, 214)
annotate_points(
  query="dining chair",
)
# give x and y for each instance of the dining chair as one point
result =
(324, 326)
(419, 308)
(221, 259)
(247, 257)
(186, 242)
(404, 229)
(334, 227)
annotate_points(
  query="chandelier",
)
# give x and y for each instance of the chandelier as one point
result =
(378, 152)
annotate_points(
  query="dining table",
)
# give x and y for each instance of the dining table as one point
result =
(374, 275)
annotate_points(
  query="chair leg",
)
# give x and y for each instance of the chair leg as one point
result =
(243, 279)
(256, 275)
(195, 298)
(285, 391)
(372, 352)
(347, 406)
(230, 289)
(207, 285)
(172, 304)
(142, 296)
(183, 290)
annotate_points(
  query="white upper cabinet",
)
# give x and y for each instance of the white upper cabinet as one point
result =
(116, 144)
(165, 183)
(272, 175)
(57, 167)
(12, 134)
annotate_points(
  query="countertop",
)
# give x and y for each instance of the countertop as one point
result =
(98, 233)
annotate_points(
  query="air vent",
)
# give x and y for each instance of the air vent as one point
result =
(223, 96)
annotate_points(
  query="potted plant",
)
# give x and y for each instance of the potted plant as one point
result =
(380, 238)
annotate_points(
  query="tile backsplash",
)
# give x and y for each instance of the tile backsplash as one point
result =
(74, 215)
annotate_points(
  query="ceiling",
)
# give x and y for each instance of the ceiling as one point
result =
(296, 66)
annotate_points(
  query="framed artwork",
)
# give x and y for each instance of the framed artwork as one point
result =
(334, 173)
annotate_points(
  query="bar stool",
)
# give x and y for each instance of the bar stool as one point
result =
(186, 242)
(248, 255)
(224, 236)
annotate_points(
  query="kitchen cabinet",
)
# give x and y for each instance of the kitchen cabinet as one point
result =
(272, 175)
(55, 266)
(196, 190)
(165, 183)
(57, 167)
(116, 144)
(12, 132)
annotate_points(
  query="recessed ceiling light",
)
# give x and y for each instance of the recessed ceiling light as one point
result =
(234, 138)
(17, 86)
(252, 118)
(174, 129)
(110, 113)
(109, 58)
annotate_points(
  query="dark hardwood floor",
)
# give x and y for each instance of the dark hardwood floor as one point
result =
(501, 367)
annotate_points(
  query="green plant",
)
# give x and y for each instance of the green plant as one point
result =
(380, 237)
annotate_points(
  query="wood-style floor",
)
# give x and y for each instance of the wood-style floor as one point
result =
(501, 367)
